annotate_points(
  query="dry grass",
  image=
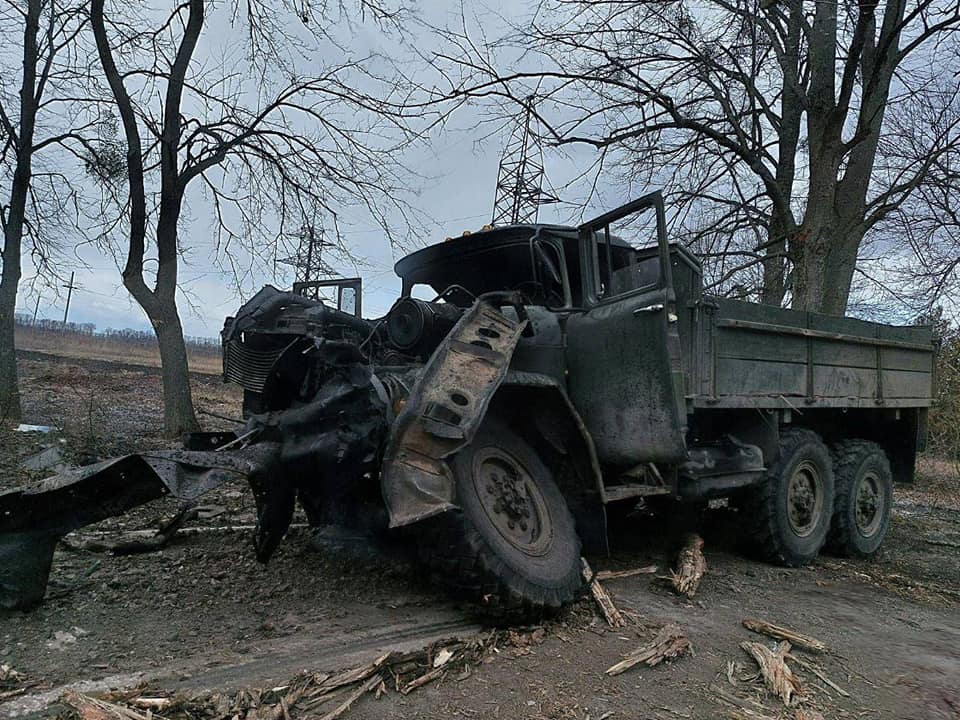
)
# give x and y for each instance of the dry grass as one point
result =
(111, 349)
(936, 484)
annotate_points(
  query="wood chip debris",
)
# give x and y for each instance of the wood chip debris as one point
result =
(325, 696)
(777, 675)
(610, 612)
(781, 633)
(670, 642)
(691, 567)
(807, 714)
(12, 683)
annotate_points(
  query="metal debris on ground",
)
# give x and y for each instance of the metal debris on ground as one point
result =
(778, 632)
(669, 643)
(24, 428)
(691, 567)
(777, 675)
(326, 696)
(610, 612)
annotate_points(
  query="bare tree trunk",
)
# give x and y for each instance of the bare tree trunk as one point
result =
(14, 222)
(9, 388)
(178, 413)
(158, 303)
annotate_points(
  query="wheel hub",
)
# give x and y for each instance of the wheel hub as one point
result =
(512, 500)
(869, 500)
(804, 499)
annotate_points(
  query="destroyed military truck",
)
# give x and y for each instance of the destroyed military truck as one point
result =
(528, 379)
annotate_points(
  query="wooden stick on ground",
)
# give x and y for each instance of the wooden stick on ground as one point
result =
(348, 677)
(603, 599)
(691, 566)
(781, 633)
(370, 684)
(614, 574)
(819, 673)
(669, 643)
(777, 676)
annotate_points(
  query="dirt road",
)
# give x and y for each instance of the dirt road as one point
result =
(203, 615)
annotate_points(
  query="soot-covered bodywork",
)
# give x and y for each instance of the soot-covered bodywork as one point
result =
(527, 378)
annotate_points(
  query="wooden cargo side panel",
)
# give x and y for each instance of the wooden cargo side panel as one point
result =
(763, 351)
(752, 363)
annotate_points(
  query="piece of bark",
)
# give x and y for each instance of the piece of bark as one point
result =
(90, 708)
(422, 680)
(610, 612)
(807, 714)
(669, 643)
(777, 675)
(615, 574)
(781, 633)
(691, 566)
(370, 684)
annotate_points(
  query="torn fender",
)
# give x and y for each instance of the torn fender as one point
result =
(443, 412)
(34, 518)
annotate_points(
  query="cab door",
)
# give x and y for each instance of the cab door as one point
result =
(623, 352)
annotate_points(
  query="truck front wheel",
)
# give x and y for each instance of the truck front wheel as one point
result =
(790, 512)
(513, 546)
(862, 504)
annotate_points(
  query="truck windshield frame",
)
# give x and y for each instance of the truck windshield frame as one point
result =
(599, 248)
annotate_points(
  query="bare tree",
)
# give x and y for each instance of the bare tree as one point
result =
(41, 116)
(766, 120)
(314, 142)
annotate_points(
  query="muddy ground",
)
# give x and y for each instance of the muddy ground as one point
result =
(202, 615)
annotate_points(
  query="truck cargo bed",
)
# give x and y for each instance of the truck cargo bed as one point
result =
(762, 356)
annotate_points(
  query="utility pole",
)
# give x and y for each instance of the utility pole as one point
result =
(69, 288)
(519, 193)
(36, 309)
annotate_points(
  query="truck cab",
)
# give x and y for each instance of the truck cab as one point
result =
(610, 312)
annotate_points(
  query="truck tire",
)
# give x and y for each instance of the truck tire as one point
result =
(790, 511)
(513, 547)
(864, 493)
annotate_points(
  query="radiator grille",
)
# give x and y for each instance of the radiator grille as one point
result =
(247, 367)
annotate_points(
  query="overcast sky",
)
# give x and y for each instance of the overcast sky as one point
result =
(456, 193)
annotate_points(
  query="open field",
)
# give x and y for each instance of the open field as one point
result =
(201, 615)
(111, 349)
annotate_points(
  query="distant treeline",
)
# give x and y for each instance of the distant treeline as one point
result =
(127, 335)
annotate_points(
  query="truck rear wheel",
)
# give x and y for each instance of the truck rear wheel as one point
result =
(513, 547)
(864, 492)
(791, 510)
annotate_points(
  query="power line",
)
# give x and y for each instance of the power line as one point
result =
(308, 262)
(519, 193)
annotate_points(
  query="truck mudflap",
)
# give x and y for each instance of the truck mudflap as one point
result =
(35, 517)
(445, 408)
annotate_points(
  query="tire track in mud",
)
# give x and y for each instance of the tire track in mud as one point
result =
(312, 648)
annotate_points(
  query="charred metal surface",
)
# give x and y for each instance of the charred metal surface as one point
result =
(35, 517)
(443, 412)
